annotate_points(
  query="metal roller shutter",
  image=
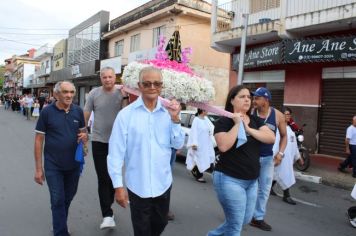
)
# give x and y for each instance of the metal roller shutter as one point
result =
(338, 107)
(277, 98)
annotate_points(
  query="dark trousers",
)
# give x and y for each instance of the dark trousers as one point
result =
(351, 159)
(196, 173)
(105, 188)
(285, 192)
(62, 187)
(149, 215)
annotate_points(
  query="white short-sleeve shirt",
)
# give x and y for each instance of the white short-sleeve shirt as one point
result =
(351, 134)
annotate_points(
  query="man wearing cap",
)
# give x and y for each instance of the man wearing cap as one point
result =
(274, 119)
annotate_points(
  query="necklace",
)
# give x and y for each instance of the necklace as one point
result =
(266, 116)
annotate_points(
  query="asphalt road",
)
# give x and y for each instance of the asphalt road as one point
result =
(25, 209)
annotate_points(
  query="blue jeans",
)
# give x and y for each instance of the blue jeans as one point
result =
(264, 186)
(237, 198)
(62, 187)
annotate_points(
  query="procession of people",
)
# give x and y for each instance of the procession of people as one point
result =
(132, 145)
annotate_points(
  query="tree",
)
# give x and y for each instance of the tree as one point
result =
(2, 77)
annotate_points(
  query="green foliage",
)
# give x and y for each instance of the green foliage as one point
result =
(2, 71)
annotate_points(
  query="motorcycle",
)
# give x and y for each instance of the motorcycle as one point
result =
(304, 153)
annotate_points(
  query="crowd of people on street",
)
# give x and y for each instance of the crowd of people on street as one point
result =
(28, 104)
(135, 143)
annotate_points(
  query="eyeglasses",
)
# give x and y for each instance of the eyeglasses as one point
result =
(148, 84)
(68, 91)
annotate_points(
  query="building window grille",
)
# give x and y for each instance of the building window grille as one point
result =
(85, 45)
(262, 5)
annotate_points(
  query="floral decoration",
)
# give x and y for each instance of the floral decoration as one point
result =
(179, 80)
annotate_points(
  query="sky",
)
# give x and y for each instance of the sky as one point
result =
(28, 24)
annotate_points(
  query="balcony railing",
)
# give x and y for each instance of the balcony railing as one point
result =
(42, 72)
(225, 16)
(229, 15)
(298, 7)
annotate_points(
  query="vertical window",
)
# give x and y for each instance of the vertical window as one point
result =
(119, 48)
(135, 43)
(262, 5)
(161, 30)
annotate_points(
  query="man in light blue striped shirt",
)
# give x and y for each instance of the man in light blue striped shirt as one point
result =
(142, 137)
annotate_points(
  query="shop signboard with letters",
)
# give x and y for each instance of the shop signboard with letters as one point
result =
(260, 56)
(320, 50)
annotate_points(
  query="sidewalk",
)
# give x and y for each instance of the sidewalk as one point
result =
(326, 167)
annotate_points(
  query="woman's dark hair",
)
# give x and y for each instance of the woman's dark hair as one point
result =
(232, 93)
(287, 109)
(199, 112)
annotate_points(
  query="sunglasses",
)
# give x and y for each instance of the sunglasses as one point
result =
(148, 84)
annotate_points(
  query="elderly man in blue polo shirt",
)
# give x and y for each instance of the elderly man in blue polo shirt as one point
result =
(142, 137)
(61, 126)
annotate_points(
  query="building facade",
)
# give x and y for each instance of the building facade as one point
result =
(42, 72)
(19, 72)
(304, 51)
(85, 50)
(135, 36)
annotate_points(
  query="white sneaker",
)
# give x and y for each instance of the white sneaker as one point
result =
(108, 222)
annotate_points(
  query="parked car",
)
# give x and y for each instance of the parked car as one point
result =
(187, 117)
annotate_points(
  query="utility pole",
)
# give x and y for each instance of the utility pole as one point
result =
(242, 49)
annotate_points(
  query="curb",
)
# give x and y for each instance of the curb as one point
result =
(308, 178)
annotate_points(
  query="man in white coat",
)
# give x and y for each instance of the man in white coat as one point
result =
(284, 173)
(200, 146)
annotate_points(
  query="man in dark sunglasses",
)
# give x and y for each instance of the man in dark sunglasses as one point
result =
(142, 138)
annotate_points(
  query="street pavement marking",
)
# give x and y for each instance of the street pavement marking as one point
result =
(302, 201)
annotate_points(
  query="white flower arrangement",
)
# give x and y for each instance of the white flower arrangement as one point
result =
(179, 85)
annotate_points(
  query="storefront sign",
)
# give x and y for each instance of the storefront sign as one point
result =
(320, 50)
(261, 56)
(59, 54)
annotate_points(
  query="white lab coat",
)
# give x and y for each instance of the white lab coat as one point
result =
(284, 173)
(200, 135)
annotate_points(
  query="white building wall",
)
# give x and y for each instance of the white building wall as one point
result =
(28, 72)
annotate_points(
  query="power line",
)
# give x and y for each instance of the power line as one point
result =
(14, 28)
(65, 34)
(32, 44)
(10, 33)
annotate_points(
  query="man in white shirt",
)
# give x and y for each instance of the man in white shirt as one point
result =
(142, 138)
(350, 143)
(28, 100)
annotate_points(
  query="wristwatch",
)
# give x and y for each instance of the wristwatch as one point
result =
(281, 153)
